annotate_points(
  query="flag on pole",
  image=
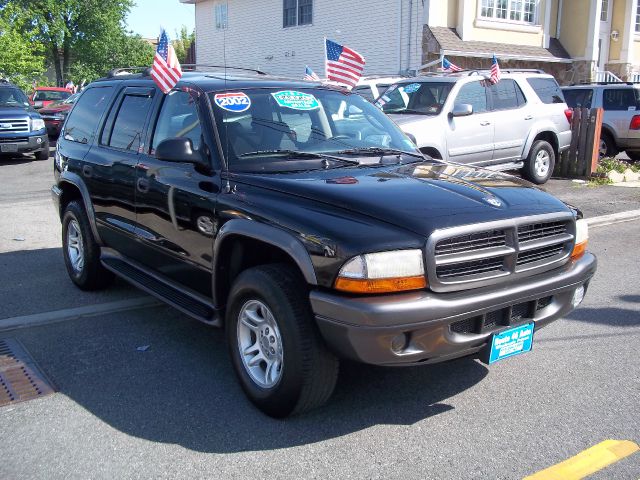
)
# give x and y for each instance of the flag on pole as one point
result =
(310, 75)
(447, 66)
(166, 71)
(495, 70)
(343, 65)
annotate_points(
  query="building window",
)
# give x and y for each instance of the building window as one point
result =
(297, 12)
(513, 10)
(222, 18)
(604, 13)
(638, 18)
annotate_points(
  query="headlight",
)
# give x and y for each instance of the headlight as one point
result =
(582, 238)
(383, 272)
(37, 124)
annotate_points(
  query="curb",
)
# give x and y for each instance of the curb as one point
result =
(57, 316)
(619, 217)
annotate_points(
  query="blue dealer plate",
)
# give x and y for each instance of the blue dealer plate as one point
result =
(511, 342)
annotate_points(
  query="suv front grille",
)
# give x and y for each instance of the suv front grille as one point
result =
(19, 125)
(477, 255)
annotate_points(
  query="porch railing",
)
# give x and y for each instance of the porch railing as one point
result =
(606, 76)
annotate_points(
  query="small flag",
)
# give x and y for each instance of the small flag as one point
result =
(310, 75)
(166, 71)
(34, 84)
(343, 65)
(69, 85)
(447, 66)
(495, 71)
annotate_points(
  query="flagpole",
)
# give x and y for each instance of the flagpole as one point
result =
(324, 53)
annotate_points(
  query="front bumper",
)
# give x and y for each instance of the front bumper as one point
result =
(23, 143)
(430, 327)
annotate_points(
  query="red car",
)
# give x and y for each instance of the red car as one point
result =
(43, 96)
(55, 113)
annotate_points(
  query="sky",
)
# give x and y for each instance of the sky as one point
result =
(148, 16)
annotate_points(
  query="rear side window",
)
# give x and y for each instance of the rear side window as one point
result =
(83, 120)
(620, 99)
(474, 94)
(579, 97)
(547, 89)
(129, 123)
(506, 94)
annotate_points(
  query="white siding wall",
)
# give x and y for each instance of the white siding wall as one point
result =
(255, 32)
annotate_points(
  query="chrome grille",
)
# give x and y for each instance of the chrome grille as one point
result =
(16, 125)
(487, 253)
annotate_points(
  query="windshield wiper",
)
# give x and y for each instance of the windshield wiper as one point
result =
(379, 151)
(299, 154)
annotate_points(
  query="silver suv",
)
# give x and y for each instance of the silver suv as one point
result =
(621, 119)
(520, 123)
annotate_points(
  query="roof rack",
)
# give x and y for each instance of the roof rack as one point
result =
(196, 67)
(610, 83)
(145, 71)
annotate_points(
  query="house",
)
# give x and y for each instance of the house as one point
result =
(575, 40)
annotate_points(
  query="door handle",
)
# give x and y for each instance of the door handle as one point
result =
(528, 117)
(485, 123)
(143, 185)
(87, 171)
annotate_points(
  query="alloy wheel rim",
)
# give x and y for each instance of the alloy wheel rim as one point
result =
(260, 344)
(542, 163)
(75, 249)
(602, 151)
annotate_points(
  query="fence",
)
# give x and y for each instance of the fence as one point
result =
(581, 159)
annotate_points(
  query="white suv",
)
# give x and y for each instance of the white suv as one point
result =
(521, 122)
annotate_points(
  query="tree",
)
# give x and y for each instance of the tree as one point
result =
(20, 60)
(65, 27)
(182, 43)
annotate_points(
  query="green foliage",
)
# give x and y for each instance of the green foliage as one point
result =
(606, 165)
(21, 61)
(182, 43)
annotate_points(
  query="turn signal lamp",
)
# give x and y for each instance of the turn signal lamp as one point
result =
(383, 272)
(582, 238)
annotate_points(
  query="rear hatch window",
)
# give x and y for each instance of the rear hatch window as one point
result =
(547, 89)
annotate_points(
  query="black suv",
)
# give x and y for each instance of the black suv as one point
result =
(302, 220)
(22, 129)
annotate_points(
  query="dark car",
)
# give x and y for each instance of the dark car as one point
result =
(55, 113)
(302, 220)
(22, 129)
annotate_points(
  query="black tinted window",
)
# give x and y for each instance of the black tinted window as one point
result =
(619, 99)
(504, 95)
(365, 92)
(178, 118)
(129, 122)
(475, 95)
(12, 97)
(83, 120)
(578, 98)
(547, 89)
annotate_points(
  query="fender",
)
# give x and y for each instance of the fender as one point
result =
(611, 131)
(268, 234)
(540, 127)
(75, 180)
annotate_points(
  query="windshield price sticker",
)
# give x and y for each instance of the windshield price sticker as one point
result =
(296, 100)
(411, 88)
(233, 101)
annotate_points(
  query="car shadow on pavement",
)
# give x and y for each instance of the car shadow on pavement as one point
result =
(613, 316)
(630, 298)
(162, 377)
(16, 160)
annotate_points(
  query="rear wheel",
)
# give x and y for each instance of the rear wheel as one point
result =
(542, 159)
(607, 147)
(275, 347)
(635, 156)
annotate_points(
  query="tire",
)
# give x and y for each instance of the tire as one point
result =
(607, 146)
(539, 166)
(44, 153)
(633, 156)
(276, 295)
(80, 250)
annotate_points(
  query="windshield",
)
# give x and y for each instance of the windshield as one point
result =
(425, 98)
(13, 97)
(50, 95)
(317, 127)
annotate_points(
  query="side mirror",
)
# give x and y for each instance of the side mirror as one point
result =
(461, 110)
(178, 149)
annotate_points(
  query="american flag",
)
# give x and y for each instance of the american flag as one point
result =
(310, 75)
(447, 66)
(166, 69)
(495, 70)
(343, 65)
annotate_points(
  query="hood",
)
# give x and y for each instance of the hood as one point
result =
(418, 197)
(6, 112)
(55, 108)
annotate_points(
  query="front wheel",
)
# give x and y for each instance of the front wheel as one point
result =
(539, 166)
(276, 350)
(44, 153)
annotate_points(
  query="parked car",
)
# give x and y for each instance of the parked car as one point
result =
(520, 123)
(250, 202)
(621, 118)
(372, 86)
(22, 129)
(44, 96)
(55, 113)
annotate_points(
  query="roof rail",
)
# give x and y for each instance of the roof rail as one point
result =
(145, 71)
(522, 70)
(610, 83)
(195, 67)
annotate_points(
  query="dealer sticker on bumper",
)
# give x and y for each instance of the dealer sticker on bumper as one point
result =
(511, 342)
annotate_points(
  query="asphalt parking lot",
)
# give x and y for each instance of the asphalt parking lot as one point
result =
(149, 393)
